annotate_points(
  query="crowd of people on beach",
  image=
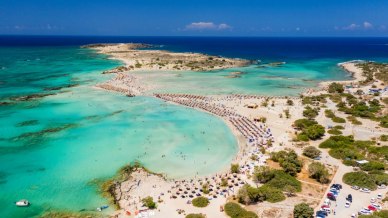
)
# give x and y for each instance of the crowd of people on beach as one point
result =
(248, 128)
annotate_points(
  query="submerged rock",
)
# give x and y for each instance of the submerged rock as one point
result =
(28, 123)
(31, 97)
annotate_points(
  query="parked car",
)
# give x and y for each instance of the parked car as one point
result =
(367, 209)
(364, 212)
(370, 207)
(334, 190)
(355, 187)
(382, 186)
(353, 215)
(325, 206)
(336, 186)
(347, 204)
(327, 210)
(365, 190)
(377, 206)
(379, 196)
(327, 202)
(349, 198)
(320, 214)
(331, 196)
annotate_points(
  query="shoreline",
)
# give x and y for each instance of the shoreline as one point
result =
(242, 155)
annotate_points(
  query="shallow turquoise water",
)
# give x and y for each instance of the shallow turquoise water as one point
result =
(52, 147)
(288, 79)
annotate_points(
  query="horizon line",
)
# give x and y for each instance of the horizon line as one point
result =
(188, 36)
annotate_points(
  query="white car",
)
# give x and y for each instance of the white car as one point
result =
(327, 202)
(379, 196)
(365, 190)
(377, 206)
(347, 204)
(365, 212)
(373, 200)
(382, 186)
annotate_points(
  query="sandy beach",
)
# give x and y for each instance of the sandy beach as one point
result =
(242, 113)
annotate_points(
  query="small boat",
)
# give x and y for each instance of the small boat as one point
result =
(22, 203)
(102, 208)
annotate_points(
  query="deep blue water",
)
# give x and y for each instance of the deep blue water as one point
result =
(263, 48)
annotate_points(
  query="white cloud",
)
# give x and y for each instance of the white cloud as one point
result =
(367, 25)
(364, 26)
(224, 26)
(207, 26)
(352, 26)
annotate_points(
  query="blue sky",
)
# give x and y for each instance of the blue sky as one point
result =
(195, 17)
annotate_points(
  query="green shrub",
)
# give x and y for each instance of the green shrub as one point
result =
(334, 131)
(336, 88)
(338, 120)
(282, 179)
(338, 127)
(310, 112)
(234, 210)
(304, 123)
(271, 194)
(354, 120)
(200, 202)
(315, 131)
(263, 174)
(360, 179)
(384, 138)
(288, 161)
(337, 141)
(311, 152)
(329, 113)
(149, 202)
(372, 166)
(318, 172)
(193, 215)
(303, 210)
(234, 168)
(302, 137)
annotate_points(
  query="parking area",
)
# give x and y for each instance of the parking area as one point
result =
(360, 201)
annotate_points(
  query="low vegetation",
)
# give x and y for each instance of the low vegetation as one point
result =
(303, 210)
(310, 129)
(318, 172)
(310, 112)
(311, 152)
(248, 194)
(234, 210)
(195, 215)
(200, 202)
(288, 160)
(149, 202)
(276, 179)
(336, 88)
(360, 179)
(234, 168)
(350, 150)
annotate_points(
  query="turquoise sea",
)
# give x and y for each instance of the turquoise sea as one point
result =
(58, 133)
